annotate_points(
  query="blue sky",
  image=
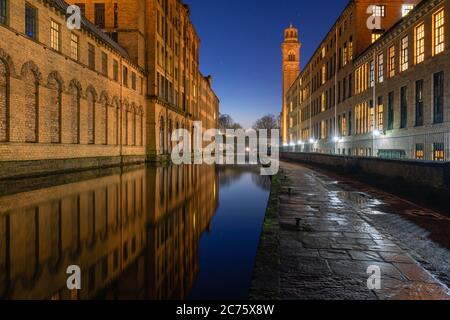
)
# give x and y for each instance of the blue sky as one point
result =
(240, 47)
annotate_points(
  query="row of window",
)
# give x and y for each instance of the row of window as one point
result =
(367, 116)
(31, 19)
(438, 45)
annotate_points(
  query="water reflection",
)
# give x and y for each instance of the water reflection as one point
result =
(134, 234)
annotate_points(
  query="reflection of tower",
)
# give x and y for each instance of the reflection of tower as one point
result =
(291, 69)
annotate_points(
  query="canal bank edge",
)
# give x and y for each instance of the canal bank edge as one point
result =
(266, 273)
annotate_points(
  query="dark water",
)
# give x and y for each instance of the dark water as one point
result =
(187, 232)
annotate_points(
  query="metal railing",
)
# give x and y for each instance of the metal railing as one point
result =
(434, 146)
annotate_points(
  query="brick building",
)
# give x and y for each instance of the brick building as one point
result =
(400, 64)
(161, 39)
(77, 98)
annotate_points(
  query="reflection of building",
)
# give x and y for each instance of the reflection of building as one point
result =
(79, 94)
(378, 92)
(107, 225)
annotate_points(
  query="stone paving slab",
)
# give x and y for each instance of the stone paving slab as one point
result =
(325, 247)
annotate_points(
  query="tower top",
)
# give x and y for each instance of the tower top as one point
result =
(291, 34)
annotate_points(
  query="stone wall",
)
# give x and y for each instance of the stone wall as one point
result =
(432, 174)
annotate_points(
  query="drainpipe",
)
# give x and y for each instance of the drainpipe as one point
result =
(373, 104)
(335, 95)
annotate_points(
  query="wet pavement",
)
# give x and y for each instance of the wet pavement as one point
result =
(331, 230)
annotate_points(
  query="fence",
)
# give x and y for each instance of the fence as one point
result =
(426, 147)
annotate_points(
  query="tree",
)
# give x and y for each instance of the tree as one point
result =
(226, 122)
(268, 122)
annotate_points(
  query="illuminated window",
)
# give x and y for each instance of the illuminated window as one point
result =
(379, 11)
(420, 151)
(350, 49)
(54, 35)
(74, 47)
(372, 74)
(380, 68)
(438, 27)
(438, 152)
(376, 35)
(406, 8)
(391, 62)
(323, 74)
(420, 44)
(380, 113)
(345, 55)
(404, 54)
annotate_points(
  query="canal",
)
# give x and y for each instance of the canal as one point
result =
(158, 233)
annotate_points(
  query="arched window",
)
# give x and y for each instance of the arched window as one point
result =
(291, 56)
(161, 136)
(103, 119)
(115, 126)
(169, 135)
(90, 96)
(75, 94)
(31, 106)
(55, 87)
(141, 113)
(134, 120)
(4, 102)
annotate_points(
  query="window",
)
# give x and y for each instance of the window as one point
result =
(438, 101)
(376, 35)
(54, 35)
(419, 103)
(74, 46)
(404, 54)
(380, 113)
(116, 16)
(438, 152)
(100, 15)
(30, 21)
(104, 64)
(125, 76)
(438, 27)
(345, 55)
(3, 12)
(115, 70)
(82, 7)
(372, 74)
(380, 68)
(420, 44)
(406, 8)
(91, 56)
(403, 107)
(324, 78)
(133, 81)
(350, 49)
(420, 151)
(391, 61)
(379, 11)
(391, 111)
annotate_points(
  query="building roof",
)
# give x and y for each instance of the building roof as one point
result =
(98, 33)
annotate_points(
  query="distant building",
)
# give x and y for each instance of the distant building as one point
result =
(377, 92)
(291, 69)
